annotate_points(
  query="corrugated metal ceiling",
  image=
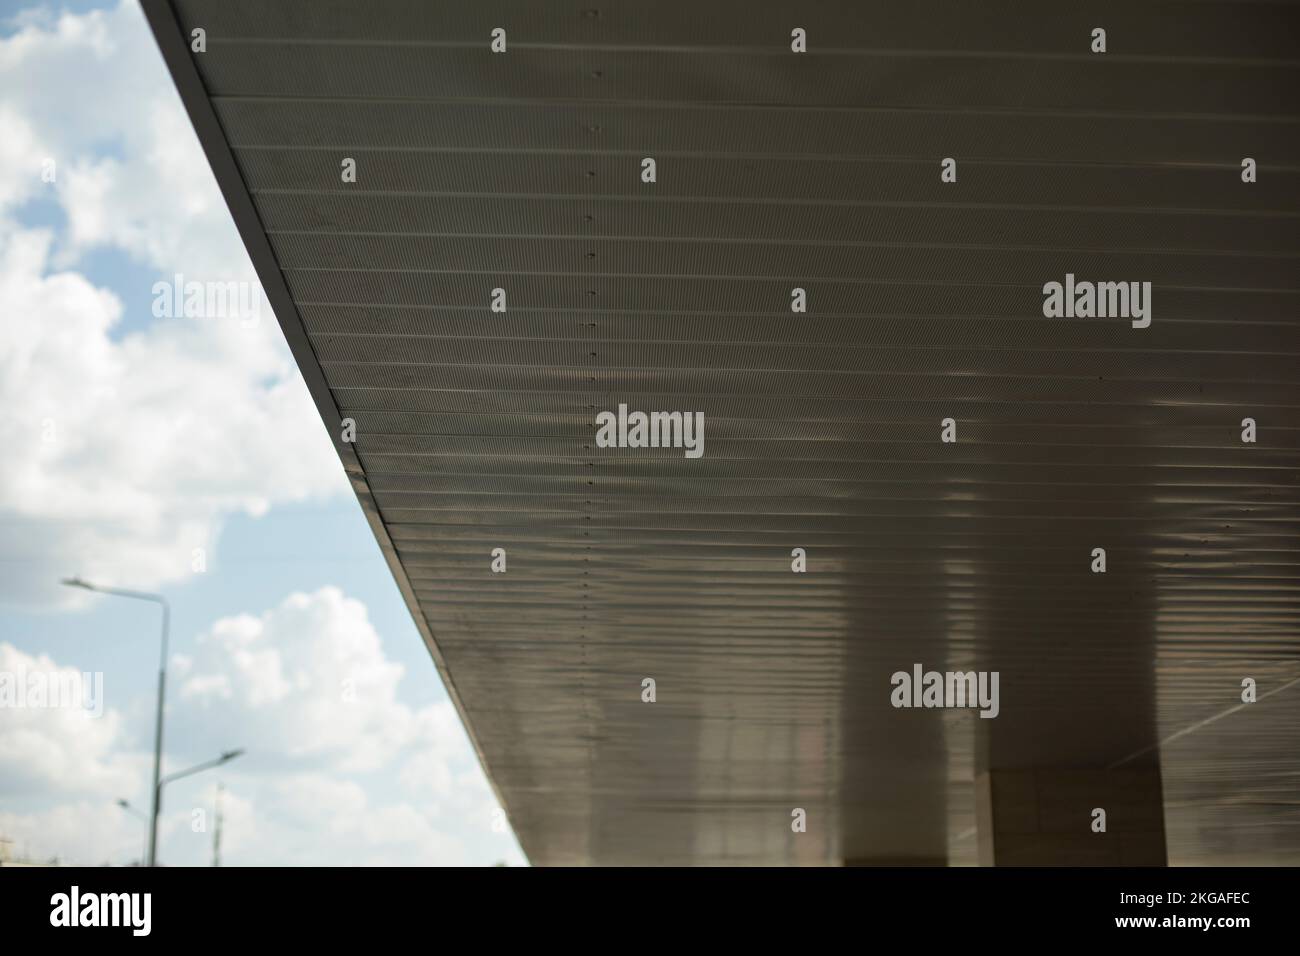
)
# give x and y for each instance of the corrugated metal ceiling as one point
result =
(775, 170)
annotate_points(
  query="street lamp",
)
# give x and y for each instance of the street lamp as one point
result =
(162, 686)
(143, 819)
(226, 757)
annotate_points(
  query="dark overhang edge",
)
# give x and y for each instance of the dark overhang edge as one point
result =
(175, 51)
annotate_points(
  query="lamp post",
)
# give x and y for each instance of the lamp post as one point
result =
(226, 757)
(143, 819)
(162, 687)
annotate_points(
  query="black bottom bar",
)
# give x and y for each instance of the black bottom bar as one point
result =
(645, 906)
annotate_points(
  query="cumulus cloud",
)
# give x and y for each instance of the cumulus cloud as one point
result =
(90, 91)
(131, 440)
(126, 452)
(338, 770)
(309, 679)
(307, 687)
(333, 822)
(84, 831)
(51, 745)
(63, 770)
(127, 455)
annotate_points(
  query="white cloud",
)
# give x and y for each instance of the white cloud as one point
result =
(308, 679)
(323, 781)
(124, 452)
(69, 768)
(61, 749)
(130, 171)
(127, 454)
(84, 831)
(314, 819)
(21, 156)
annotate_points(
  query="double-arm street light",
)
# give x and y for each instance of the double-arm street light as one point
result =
(162, 690)
(226, 757)
(158, 780)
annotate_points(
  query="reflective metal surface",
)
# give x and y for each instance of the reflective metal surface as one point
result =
(776, 170)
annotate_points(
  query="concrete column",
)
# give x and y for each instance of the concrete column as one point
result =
(1045, 817)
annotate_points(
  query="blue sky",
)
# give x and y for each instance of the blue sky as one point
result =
(134, 440)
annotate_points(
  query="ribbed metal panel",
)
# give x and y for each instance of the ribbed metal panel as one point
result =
(475, 429)
(864, 132)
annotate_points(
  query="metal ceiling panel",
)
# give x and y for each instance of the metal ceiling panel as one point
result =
(477, 429)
